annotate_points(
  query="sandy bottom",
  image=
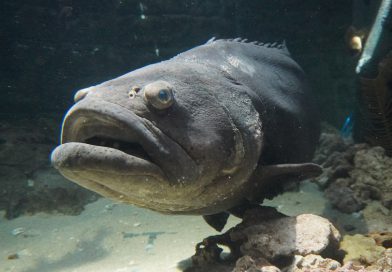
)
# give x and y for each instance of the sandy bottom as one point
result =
(105, 237)
(122, 238)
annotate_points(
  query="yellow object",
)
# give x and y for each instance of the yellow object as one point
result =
(360, 249)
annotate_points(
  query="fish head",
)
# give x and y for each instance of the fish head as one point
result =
(158, 138)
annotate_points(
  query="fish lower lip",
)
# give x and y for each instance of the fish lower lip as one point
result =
(84, 157)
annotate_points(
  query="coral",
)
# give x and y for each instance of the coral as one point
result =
(360, 249)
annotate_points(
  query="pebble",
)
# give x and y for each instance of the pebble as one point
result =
(123, 269)
(18, 231)
(25, 252)
(110, 207)
(149, 248)
(13, 256)
(357, 214)
(30, 183)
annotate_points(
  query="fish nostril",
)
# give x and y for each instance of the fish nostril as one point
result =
(81, 94)
(134, 90)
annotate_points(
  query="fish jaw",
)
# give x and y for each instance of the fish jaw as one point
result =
(109, 149)
(107, 171)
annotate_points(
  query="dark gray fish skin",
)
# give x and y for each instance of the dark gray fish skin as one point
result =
(201, 133)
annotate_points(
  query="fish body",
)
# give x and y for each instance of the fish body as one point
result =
(201, 133)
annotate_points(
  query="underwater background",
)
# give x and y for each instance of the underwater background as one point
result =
(51, 49)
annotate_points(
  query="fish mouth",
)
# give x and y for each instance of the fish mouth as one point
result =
(132, 148)
(116, 134)
(107, 138)
(111, 150)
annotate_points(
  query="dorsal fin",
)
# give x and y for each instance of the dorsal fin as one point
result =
(211, 40)
(277, 44)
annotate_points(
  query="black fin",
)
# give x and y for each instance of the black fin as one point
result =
(269, 180)
(294, 171)
(211, 40)
(217, 221)
(239, 211)
(281, 45)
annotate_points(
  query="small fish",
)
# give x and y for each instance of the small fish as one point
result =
(347, 128)
(214, 129)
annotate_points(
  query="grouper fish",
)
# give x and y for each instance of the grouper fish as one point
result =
(212, 131)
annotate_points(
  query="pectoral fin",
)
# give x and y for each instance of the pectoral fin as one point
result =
(217, 221)
(292, 171)
(267, 180)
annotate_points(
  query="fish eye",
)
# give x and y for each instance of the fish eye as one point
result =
(163, 95)
(159, 94)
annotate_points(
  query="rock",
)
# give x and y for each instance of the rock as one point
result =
(343, 198)
(27, 143)
(247, 263)
(27, 181)
(267, 240)
(377, 217)
(383, 239)
(330, 142)
(335, 155)
(384, 263)
(373, 175)
(312, 262)
(354, 174)
(285, 237)
(319, 264)
(360, 250)
(269, 269)
(350, 266)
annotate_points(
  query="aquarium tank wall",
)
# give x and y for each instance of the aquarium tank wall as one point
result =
(318, 189)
